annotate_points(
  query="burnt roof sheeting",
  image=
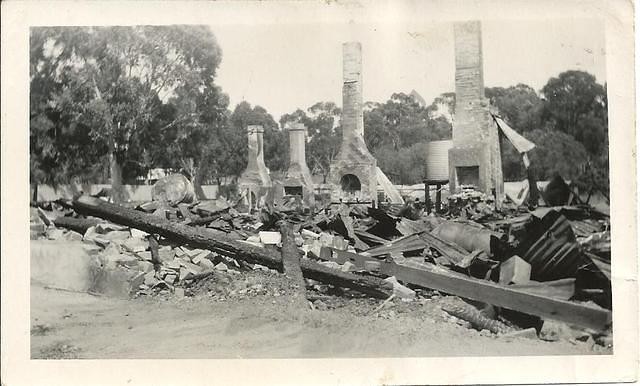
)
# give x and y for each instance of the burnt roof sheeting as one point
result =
(552, 249)
(521, 144)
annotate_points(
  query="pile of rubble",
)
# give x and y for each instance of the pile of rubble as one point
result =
(517, 271)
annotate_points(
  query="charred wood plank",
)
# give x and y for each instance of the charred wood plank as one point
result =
(499, 295)
(202, 238)
(79, 225)
(530, 301)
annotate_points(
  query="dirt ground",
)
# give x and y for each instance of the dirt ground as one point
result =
(259, 321)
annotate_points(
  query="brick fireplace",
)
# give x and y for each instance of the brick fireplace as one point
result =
(255, 181)
(353, 172)
(474, 158)
(297, 180)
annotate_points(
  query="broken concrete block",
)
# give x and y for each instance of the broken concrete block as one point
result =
(150, 279)
(258, 267)
(119, 282)
(348, 267)
(326, 239)
(316, 248)
(185, 273)
(122, 259)
(270, 238)
(174, 264)
(138, 233)
(400, 290)
(528, 333)
(199, 257)
(372, 266)
(192, 267)
(206, 264)
(92, 249)
(145, 266)
(63, 264)
(134, 244)
(171, 278)
(112, 249)
(72, 236)
(166, 254)
(160, 212)
(54, 233)
(340, 243)
(553, 331)
(515, 270)
(92, 236)
(179, 292)
(309, 234)
(191, 253)
(221, 267)
(254, 239)
(330, 264)
(145, 256)
(116, 235)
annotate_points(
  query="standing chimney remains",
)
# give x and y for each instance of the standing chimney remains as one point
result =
(474, 158)
(353, 171)
(255, 181)
(297, 180)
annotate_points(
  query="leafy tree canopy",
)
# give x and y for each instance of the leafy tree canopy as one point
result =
(98, 91)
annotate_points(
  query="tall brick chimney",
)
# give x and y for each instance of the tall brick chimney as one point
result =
(353, 171)
(475, 156)
(297, 180)
(255, 180)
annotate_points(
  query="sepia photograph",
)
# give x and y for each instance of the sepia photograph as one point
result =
(337, 188)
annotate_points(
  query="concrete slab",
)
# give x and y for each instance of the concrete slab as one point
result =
(63, 264)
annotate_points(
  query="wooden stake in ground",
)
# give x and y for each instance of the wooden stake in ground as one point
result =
(155, 253)
(203, 238)
(291, 261)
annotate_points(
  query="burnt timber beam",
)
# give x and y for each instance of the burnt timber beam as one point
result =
(434, 277)
(202, 238)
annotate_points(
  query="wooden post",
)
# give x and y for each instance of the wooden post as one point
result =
(438, 198)
(291, 263)
(427, 196)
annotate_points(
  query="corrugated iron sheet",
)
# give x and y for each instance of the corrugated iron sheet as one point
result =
(553, 252)
(521, 144)
(437, 167)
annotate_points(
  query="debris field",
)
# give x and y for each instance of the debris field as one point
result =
(539, 273)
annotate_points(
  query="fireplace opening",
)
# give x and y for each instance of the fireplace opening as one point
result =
(350, 183)
(293, 191)
(468, 175)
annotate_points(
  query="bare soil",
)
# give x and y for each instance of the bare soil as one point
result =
(251, 316)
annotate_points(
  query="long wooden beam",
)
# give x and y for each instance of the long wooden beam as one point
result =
(201, 238)
(441, 279)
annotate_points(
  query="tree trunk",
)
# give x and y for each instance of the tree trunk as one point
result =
(201, 238)
(197, 184)
(117, 194)
(34, 197)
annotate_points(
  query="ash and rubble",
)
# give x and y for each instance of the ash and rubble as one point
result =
(560, 252)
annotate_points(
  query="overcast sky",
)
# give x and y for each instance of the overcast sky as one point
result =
(283, 67)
